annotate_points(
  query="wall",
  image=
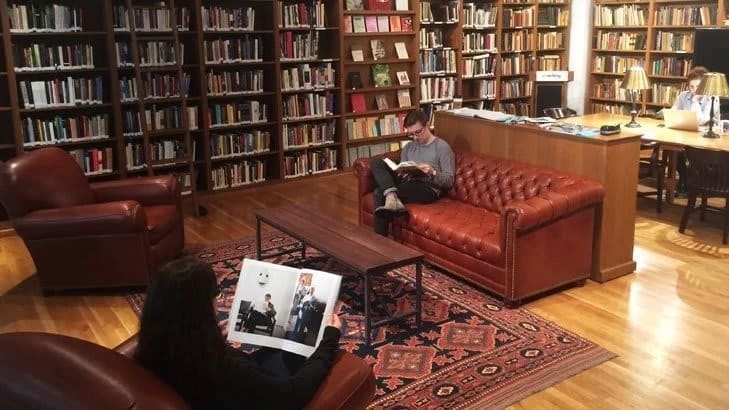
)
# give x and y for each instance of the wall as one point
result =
(580, 39)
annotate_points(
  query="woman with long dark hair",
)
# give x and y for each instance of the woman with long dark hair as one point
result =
(180, 341)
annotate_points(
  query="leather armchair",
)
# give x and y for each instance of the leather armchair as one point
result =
(47, 371)
(84, 235)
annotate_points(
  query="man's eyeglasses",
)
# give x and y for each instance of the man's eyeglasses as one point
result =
(415, 133)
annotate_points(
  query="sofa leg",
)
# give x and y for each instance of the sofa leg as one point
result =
(580, 283)
(512, 304)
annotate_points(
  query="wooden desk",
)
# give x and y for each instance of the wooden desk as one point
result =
(672, 141)
(611, 160)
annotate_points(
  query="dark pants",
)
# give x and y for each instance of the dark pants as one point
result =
(278, 363)
(414, 192)
(256, 318)
(681, 168)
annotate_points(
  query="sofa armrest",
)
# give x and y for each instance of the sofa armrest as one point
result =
(156, 190)
(350, 384)
(361, 168)
(83, 220)
(553, 204)
(129, 346)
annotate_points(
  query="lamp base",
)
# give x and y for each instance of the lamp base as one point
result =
(633, 124)
(710, 134)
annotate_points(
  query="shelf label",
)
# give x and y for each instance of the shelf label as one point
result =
(554, 76)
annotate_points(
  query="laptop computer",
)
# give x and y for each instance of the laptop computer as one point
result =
(686, 120)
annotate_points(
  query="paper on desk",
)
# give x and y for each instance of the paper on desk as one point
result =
(485, 114)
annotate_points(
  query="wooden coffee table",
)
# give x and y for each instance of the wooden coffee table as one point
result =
(359, 249)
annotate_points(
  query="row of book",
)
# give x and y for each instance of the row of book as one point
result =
(309, 14)
(621, 109)
(521, 40)
(514, 64)
(304, 135)
(369, 151)
(685, 15)
(239, 144)
(670, 41)
(440, 12)
(247, 48)
(517, 108)
(158, 119)
(234, 82)
(624, 15)
(151, 19)
(549, 62)
(309, 105)
(299, 46)
(441, 60)
(478, 42)
(306, 76)
(610, 89)
(483, 89)
(550, 40)
(312, 162)
(665, 93)
(167, 150)
(94, 161)
(478, 66)
(378, 24)
(553, 16)
(157, 85)
(323, 160)
(620, 40)
(519, 17)
(246, 112)
(151, 53)
(437, 88)
(62, 92)
(232, 175)
(371, 127)
(614, 64)
(359, 101)
(46, 18)
(671, 66)
(479, 16)
(430, 38)
(219, 18)
(517, 87)
(45, 57)
(65, 129)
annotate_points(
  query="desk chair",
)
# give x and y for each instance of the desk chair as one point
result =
(707, 177)
(652, 165)
(559, 112)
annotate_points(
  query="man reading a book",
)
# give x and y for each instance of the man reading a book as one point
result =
(428, 174)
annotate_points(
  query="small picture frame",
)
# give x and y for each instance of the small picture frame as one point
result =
(724, 126)
(403, 78)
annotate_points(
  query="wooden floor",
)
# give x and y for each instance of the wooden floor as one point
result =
(668, 322)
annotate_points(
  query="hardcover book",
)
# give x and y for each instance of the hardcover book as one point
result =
(403, 98)
(406, 23)
(354, 80)
(358, 102)
(381, 75)
(371, 23)
(383, 24)
(380, 4)
(354, 5)
(395, 24)
(378, 49)
(357, 53)
(401, 50)
(358, 24)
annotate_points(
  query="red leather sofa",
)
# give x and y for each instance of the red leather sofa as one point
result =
(47, 371)
(515, 229)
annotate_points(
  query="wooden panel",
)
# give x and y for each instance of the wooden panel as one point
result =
(611, 160)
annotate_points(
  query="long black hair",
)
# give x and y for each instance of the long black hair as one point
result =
(179, 338)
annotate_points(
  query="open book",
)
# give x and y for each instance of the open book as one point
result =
(282, 307)
(410, 167)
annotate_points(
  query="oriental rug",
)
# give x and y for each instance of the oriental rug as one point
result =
(470, 352)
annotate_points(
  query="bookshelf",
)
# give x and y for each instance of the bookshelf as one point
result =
(478, 53)
(380, 58)
(655, 34)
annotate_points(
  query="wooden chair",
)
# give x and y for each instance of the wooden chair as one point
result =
(708, 177)
(559, 112)
(653, 165)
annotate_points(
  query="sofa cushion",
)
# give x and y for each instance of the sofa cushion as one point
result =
(469, 229)
(160, 221)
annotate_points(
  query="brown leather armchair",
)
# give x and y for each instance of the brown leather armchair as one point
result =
(47, 371)
(84, 235)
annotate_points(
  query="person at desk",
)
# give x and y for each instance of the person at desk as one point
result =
(701, 105)
(434, 158)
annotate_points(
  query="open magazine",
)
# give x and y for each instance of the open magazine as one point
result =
(282, 307)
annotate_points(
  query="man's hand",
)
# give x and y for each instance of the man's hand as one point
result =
(427, 169)
(404, 176)
(334, 321)
(223, 326)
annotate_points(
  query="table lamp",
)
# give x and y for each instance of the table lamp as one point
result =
(713, 85)
(635, 80)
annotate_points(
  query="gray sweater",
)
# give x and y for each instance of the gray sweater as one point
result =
(439, 155)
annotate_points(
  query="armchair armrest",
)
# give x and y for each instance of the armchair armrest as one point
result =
(157, 190)
(553, 204)
(361, 168)
(94, 219)
(350, 384)
(129, 346)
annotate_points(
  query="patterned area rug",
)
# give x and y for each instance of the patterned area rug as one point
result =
(470, 352)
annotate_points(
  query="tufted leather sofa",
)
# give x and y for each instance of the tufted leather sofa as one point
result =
(515, 229)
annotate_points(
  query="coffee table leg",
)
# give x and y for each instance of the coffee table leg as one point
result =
(418, 294)
(368, 319)
(258, 239)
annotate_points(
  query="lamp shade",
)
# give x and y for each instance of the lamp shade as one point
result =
(635, 79)
(713, 85)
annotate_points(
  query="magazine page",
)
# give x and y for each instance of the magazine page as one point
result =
(282, 307)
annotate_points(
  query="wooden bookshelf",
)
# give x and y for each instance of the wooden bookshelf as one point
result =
(655, 37)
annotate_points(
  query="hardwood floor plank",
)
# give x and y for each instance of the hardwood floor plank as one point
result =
(668, 322)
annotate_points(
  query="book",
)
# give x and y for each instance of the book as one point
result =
(383, 24)
(354, 80)
(403, 98)
(402, 5)
(406, 24)
(371, 24)
(402, 78)
(381, 102)
(358, 102)
(358, 24)
(408, 167)
(357, 53)
(282, 307)
(381, 75)
(401, 50)
(378, 49)
(379, 4)
(348, 28)
(395, 24)
(354, 4)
